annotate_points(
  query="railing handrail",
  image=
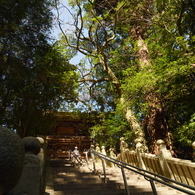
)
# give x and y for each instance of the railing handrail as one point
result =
(148, 174)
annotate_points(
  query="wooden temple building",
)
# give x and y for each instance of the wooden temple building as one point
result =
(71, 130)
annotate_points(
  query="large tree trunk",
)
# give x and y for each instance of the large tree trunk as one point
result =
(135, 126)
(155, 124)
(130, 117)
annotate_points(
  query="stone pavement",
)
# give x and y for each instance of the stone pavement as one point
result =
(62, 178)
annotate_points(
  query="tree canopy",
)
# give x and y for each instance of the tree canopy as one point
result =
(141, 56)
(35, 74)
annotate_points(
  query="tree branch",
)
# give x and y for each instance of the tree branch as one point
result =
(94, 81)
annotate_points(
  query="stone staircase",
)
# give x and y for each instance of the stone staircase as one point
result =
(65, 178)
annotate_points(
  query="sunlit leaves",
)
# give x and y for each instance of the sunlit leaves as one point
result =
(109, 38)
(109, 130)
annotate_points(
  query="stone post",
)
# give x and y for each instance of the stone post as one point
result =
(42, 157)
(139, 150)
(32, 147)
(103, 151)
(164, 154)
(142, 140)
(123, 148)
(193, 155)
(30, 182)
(112, 155)
(97, 149)
(11, 159)
(123, 145)
(93, 158)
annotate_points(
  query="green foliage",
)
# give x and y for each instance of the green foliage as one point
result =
(183, 138)
(171, 79)
(34, 75)
(171, 75)
(173, 59)
(186, 133)
(109, 130)
(167, 30)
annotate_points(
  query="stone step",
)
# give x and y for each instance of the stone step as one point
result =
(111, 192)
(91, 192)
(77, 180)
(81, 186)
(138, 191)
(69, 180)
(107, 188)
(136, 180)
(61, 174)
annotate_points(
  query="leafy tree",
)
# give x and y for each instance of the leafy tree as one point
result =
(35, 74)
(159, 22)
(97, 39)
(171, 75)
(110, 129)
(145, 51)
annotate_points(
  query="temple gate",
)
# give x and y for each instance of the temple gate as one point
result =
(71, 130)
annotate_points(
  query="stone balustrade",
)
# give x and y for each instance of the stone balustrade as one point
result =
(152, 163)
(32, 180)
(182, 170)
(163, 164)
